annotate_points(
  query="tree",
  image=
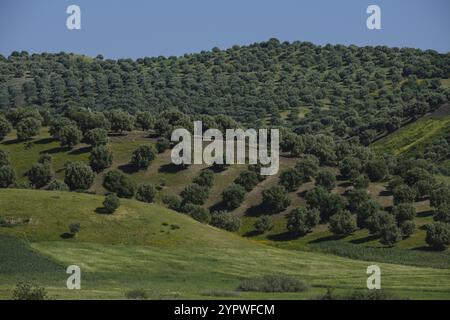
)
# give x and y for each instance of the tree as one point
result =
(120, 121)
(395, 182)
(78, 176)
(225, 221)
(301, 221)
(5, 128)
(438, 235)
(439, 196)
(119, 183)
(360, 182)
(7, 176)
(45, 158)
(376, 170)
(390, 234)
(101, 157)
(328, 204)
(162, 144)
(172, 201)
(74, 229)
(69, 136)
(111, 203)
(290, 179)
(206, 179)
(144, 120)
(404, 212)
(364, 211)
(97, 137)
(194, 194)
(233, 196)
(146, 193)
(343, 223)
(442, 213)
(143, 156)
(40, 174)
(28, 128)
(199, 213)
(404, 194)
(57, 185)
(379, 220)
(248, 179)
(407, 228)
(348, 165)
(276, 198)
(307, 167)
(4, 158)
(263, 224)
(326, 179)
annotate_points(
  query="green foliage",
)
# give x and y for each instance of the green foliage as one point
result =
(146, 193)
(233, 196)
(195, 194)
(290, 179)
(276, 199)
(404, 212)
(119, 183)
(248, 179)
(74, 228)
(307, 167)
(101, 157)
(380, 220)
(172, 201)
(407, 228)
(145, 121)
(205, 179)
(78, 176)
(273, 283)
(442, 213)
(29, 291)
(343, 223)
(111, 203)
(121, 121)
(57, 185)
(404, 194)
(4, 158)
(69, 136)
(225, 221)
(143, 156)
(7, 176)
(136, 294)
(96, 137)
(162, 144)
(40, 174)
(199, 213)
(438, 235)
(376, 170)
(390, 234)
(263, 224)
(327, 203)
(440, 195)
(326, 179)
(5, 128)
(28, 128)
(300, 221)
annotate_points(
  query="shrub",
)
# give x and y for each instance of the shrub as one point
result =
(273, 283)
(290, 179)
(248, 179)
(205, 179)
(199, 213)
(111, 203)
(97, 137)
(404, 194)
(307, 167)
(146, 192)
(69, 136)
(376, 170)
(5, 128)
(4, 158)
(348, 165)
(57, 185)
(438, 235)
(404, 212)
(40, 175)
(119, 183)
(29, 291)
(233, 196)
(407, 228)
(195, 194)
(361, 182)
(276, 198)
(439, 196)
(162, 145)
(442, 213)
(390, 234)
(377, 221)
(326, 179)
(172, 201)
(263, 224)
(7, 176)
(342, 223)
(101, 157)
(74, 228)
(45, 158)
(78, 176)
(327, 203)
(137, 294)
(225, 221)
(142, 156)
(27, 128)
(300, 221)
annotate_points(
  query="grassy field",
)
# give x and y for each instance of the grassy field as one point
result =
(137, 248)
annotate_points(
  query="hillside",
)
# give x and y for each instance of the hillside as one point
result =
(118, 254)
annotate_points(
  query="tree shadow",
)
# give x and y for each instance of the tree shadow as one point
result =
(15, 141)
(385, 193)
(258, 210)
(128, 168)
(345, 184)
(252, 233)
(80, 150)
(172, 168)
(55, 150)
(283, 236)
(44, 141)
(220, 206)
(67, 235)
(365, 239)
(102, 210)
(326, 238)
(424, 214)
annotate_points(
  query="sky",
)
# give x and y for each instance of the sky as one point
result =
(141, 28)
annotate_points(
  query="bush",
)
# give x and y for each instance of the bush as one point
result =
(27, 128)
(137, 294)
(162, 145)
(248, 179)
(342, 223)
(7, 176)
(327, 203)
(376, 170)
(390, 234)
(404, 212)
(438, 235)
(29, 291)
(74, 228)
(290, 179)
(263, 224)
(199, 213)
(205, 179)
(97, 137)
(142, 156)
(195, 194)
(69, 136)
(40, 175)
(442, 213)
(111, 203)
(273, 283)
(307, 167)
(45, 158)
(377, 221)
(407, 228)
(300, 221)
(172, 201)
(233, 196)
(348, 165)
(146, 192)
(119, 183)
(225, 221)
(5, 128)
(440, 195)
(404, 194)
(326, 179)
(101, 157)
(4, 158)
(276, 198)
(78, 176)
(361, 182)
(57, 185)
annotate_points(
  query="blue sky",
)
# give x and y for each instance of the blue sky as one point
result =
(138, 28)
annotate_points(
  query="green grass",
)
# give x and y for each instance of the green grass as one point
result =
(134, 250)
